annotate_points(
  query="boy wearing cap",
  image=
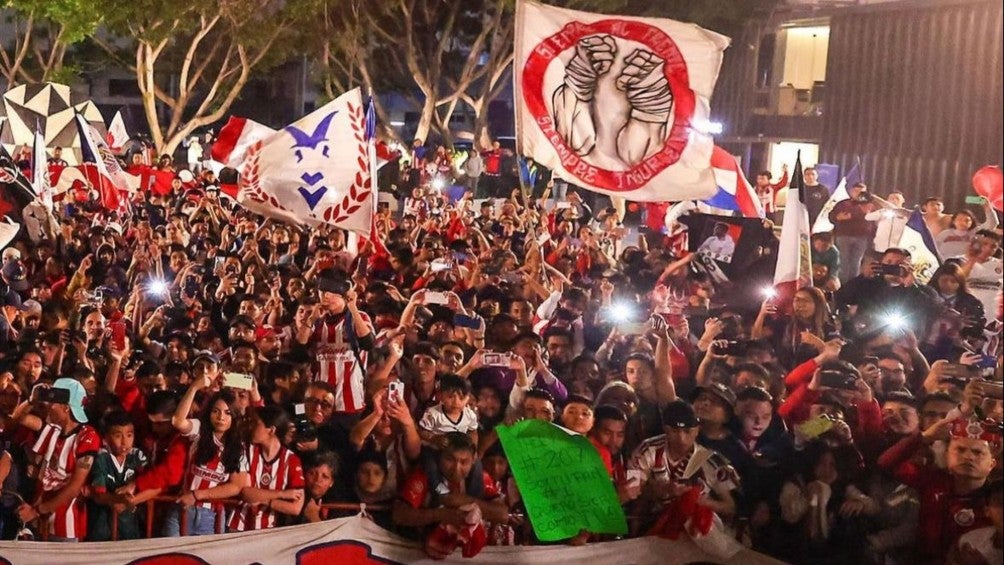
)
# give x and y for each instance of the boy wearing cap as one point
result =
(340, 340)
(64, 454)
(668, 466)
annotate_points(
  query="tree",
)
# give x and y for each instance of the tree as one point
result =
(42, 33)
(192, 60)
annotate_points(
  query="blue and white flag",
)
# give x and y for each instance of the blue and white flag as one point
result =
(917, 239)
(841, 193)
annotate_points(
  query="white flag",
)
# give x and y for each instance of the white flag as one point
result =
(40, 171)
(117, 134)
(615, 103)
(314, 171)
(94, 150)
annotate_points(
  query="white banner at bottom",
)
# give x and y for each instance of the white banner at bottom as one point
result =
(354, 541)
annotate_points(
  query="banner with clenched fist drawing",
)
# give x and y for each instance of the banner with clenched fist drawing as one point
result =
(611, 102)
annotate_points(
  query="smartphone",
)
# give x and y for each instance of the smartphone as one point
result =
(733, 347)
(242, 381)
(959, 371)
(978, 200)
(439, 265)
(118, 335)
(815, 427)
(436, 298)
(469, 322)
(218, 263)
(496, 360)
(838, 380)
(395, 391)
(632, 328)
(562, 205)
(513, 277)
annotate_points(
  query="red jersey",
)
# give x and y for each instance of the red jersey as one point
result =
(283, 472)
(339, 365)
(59, 455)
(493, 162)
(944, 514)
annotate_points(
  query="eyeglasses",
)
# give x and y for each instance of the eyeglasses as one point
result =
(324, 404)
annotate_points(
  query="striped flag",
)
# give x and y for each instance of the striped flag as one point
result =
(794, 259)
(735, 193)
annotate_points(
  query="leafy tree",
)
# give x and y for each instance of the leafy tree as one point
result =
(192, 59)
(42, 32)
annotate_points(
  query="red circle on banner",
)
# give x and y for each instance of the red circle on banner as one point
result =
(675, 70)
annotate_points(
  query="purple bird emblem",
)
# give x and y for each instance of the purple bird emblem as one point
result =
(312, 140)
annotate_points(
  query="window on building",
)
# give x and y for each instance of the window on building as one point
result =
(123, 87)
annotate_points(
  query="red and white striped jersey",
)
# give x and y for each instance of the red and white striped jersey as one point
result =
(59, 455)
(340, 366)
(210, 474)
(283, 472)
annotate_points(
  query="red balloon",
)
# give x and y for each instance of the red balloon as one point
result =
(989, 183)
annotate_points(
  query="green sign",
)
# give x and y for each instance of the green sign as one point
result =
(563, 482)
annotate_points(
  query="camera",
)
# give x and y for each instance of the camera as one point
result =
(305, 430)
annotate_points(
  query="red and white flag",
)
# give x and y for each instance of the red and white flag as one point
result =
(235, 138)
(794, 256)
(117, 135)
(313, 171)
(614, 103)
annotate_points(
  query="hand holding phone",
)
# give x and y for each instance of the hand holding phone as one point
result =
(118, 335)
(395, 392)
(242, 381)
(434, 297)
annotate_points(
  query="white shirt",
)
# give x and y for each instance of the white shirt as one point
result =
(986, 283)
(888, 230)
(436, 421)
(719, 248)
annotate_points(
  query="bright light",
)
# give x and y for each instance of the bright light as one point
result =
(890, 214)
(769, 292)
(439, 183)
(397, 123)
(622, 312)
(895, 321)
(157, 287)
(709, 127)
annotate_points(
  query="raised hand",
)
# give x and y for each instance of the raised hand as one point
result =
(594, 55)
(644, 83)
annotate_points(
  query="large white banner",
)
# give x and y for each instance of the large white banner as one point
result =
(313, 171)
(354, 541)
(617, 104)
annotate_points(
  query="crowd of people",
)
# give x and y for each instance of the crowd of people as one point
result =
(190, 349)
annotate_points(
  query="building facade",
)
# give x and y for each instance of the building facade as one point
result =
(910, 89)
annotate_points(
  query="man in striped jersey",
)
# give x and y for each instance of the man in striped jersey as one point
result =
(64, 454)
(340, 340)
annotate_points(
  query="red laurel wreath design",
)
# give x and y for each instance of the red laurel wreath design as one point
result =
(250, 178)
(361, 188)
